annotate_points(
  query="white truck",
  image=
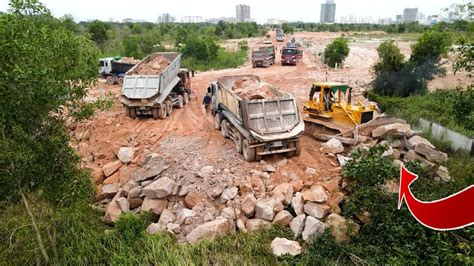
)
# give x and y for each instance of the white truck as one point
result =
(155, 86)
(259, 123)
(113, 70)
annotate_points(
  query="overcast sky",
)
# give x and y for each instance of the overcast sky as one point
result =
(291, 10)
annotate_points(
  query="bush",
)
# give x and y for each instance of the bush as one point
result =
(396, 77)
(336, 52)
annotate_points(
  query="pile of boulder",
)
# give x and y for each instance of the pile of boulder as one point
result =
(193, 214)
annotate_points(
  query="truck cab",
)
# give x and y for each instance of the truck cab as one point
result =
(289, 56)
(105, 66)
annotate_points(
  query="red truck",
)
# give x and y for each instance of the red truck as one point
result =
(290, 55)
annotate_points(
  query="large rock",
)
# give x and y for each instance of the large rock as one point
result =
(248, 205)
(135, 203)
(417, 140)
(184, 214)
(264, 209)
(283, 218)
(297, 202)
(332, 184)
(283, 246)
(209, 231)
(110, 168)
(109, 191)
(315, 194)
(194, 198)
(443, 173)
(154, 205)
(431, 154)
(253, 225)
(335, 199)
(135, 192)
(125, 154)
(166, 217)
(123, 204)
(341, 228)
(297, 224)
(269, 168)
(333, 146)
(159, 189)
(317, 210)
(229, 194)
(205, 171)
(154, 167)
(313, 228)
(153, 228)
(396, 129)
(343, 160)
(412, 156)
(113, 210)
(283, 193)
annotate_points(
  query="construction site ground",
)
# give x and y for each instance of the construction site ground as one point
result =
(188, 139)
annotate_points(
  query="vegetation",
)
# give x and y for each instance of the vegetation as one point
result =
(336, 52)
(450, 108)
(396, 77)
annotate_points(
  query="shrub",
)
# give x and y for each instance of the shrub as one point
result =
(336, 52)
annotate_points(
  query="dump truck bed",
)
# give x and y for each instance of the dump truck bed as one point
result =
(159, 78)
(263, 109)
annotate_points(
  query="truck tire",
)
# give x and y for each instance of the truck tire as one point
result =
(180, 102)
(224, 128)
(298, 148)
(257, 156)
(217, 121)
(247, 152)
(160, 112)
(254, 65)
(169, 107)
(238, 141)
(133, 113)
(127, 111)
(120, 81)
(110, 80)
(296, 152)
(185, 98)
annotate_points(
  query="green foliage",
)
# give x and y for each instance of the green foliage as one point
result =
(224, 59)
(98, 31)
(464, 57)
(336, 52)
(287, 29)
(449, 108)
(201, 49)
(391, 236)
(394, 76)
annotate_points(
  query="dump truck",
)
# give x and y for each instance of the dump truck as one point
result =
(155, 86)
(263, 56)
(292, 53)
(259, 118)
(113, 70)
(280, 36)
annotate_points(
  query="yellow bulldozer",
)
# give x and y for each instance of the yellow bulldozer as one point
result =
(332, 111)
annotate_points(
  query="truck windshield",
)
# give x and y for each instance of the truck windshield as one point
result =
(289, 52)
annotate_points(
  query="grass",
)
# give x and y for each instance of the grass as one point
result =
(225, 59)
(408, 37)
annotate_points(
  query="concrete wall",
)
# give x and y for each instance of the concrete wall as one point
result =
(457, 141)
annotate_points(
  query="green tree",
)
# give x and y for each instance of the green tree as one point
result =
(131, 46)
(46, 70)
(287, 29)
(464, 57)
(336, 52)
(98, 31)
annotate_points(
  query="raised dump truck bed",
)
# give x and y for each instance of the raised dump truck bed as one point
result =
(257, 116)
(155, 85)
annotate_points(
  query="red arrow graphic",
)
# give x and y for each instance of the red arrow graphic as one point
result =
(450, 213)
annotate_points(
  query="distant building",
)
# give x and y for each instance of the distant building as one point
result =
(328, 12)
(276, 21)
(399, 19)
(224, 19)
(242, 13)
(166, 18)
(432, 20)
(192, 19)
(410, 15)
(131, 20)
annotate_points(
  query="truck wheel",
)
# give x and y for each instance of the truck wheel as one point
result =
(169, 107)
(298, 148)
(254, 65)
(224, 128)
(247, 152)
(110, 80)
(160, 112)
(257, 156)
(127, 111)
(133, 113)
(296, 152)
(185, 98)
(180, 102)
(217, 121)
(238, 141)
(120, 81)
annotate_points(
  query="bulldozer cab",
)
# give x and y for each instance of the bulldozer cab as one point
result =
(328, 94)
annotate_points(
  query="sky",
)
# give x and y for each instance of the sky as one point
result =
(261, 10)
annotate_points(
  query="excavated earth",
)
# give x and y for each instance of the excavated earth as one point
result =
(196, 157)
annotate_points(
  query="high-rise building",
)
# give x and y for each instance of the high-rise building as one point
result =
(166, 18)
(399, 19)
(242, 13)
(410, 15)
(192, 19)
(328, 12)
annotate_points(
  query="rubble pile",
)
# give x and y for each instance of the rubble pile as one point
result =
(129, 60)
(154, 66)
(196, 202)
(251, 89)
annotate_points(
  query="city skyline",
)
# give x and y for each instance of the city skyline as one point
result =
(261, 10)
